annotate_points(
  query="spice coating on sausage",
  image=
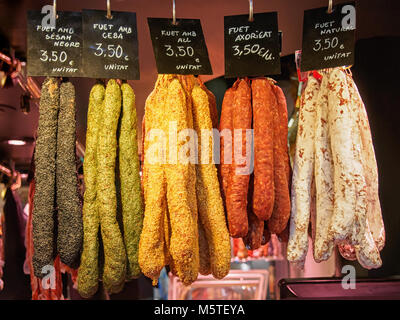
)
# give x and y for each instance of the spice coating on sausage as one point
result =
(184, 233)
(45, 170)
(114, 249)
(70, 225)
(188, 83)
(88, 273)
(283, 116)
(236, 201)
(255, 235)
(204, 252)
(211, 102)
(281, 211)
(152, 246)
(210, 206)
(132, 203)
(226, 139)
(263, 197)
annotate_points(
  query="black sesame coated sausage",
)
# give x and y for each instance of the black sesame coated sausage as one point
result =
(45, 169)
(70, 225)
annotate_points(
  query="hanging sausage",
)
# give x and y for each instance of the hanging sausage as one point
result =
(346, 211)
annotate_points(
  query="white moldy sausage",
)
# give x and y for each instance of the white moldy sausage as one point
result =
(349, 220)
(324, 179)
(366, 251)
(303, 172)
(344, 156)
(374, 213)
(347, 210)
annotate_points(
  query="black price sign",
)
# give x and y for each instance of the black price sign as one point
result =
(252, 47)
(54, 50)
(328, 38)
(110, 46)
(180, 48)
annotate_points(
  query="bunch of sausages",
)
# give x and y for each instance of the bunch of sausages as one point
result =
(335, 177)
(184, 222)
(57, 216)
(113, 205)
(181, 214)
(257, 203)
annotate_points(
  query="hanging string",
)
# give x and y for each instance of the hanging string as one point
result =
(330, 6)
(109, 16)
(173, 13)
(251, 18)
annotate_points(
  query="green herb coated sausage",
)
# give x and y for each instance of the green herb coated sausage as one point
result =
(114, 250)
(88, 274)
(132, 203)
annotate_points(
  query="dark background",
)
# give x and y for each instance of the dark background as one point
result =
(376, 73)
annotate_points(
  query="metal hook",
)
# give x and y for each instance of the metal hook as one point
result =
(109, 16)
(330, 6)
(173, 13)
(55, 9)
(251, 18)
(348, 70)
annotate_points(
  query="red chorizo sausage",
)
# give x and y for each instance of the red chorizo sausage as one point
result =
(281, 211)
(254, 236)
(283, 118)
(226, 131)
(236, 200)
(263, 197)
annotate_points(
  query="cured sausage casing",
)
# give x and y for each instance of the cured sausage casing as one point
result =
(132, 202)
(45, 170)
(226, 133)
(263, 103)
(323, 174)
(236, 200)
(152, 255)
(114, 249)
(184, 232)
(346, 159)
(88, 273)
(210, 206)
(70, 225)
(303, 173)
(281, 212)
(374, 212)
